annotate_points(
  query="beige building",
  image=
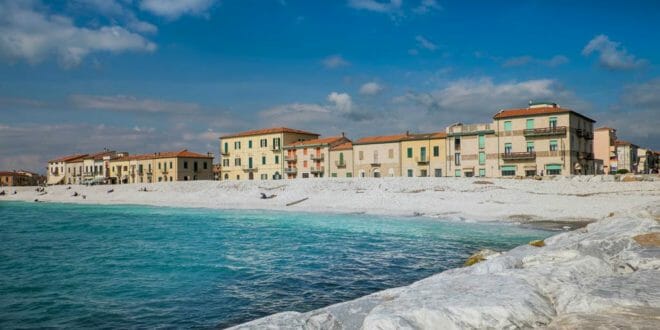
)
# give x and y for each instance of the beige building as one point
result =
(310, 158)
(424, 155)
(19, 178)
(377, 156)
(544, 139)
(57, 168)
(341, 160)
(605, 150)
(258, 153)
(96, 167)
(626, 154)
(181, 165)
(472, 150)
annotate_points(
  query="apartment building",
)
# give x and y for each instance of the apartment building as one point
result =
(19, 178)
(310, 158)
(341, 160)
(605, 149)
(424, 155)
(544, 138)
(472, 150)
(57, 168)
(96, 167)
(258, 153)
(626, 156)
(377, 156)
(180, 165)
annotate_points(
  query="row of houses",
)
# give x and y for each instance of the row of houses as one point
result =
(20, 178)
(113, 167)
(542, 139)
(623, 156)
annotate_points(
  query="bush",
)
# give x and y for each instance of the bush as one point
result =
(622, 171)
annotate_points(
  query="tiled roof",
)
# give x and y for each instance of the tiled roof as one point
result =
(328, 140)
(623, 143)
(167, 154)
(439, 135)
(264, 131)
(67, 158)
(549, 110)
(344, 146)
(381, 139)
(7, 173)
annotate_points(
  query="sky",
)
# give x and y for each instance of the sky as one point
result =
(158, 75)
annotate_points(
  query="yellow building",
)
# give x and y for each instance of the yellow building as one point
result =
(181, 165)
(311, 158)
(423, 155)
(341, 160)
(471, 150)
(57, 169)
(258, 153)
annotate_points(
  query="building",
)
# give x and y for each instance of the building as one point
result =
(258, 153)
(605, 149)
(57, 168)
(472, 150)
(626, 154)
(217, 172)
(96, 167)
(543, 138)
(19, 178)
(341, 160)
(180, 165)
(377, 156)
(423, 154)
(310, 158)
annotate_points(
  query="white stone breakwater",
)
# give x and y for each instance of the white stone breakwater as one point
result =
(607, 273)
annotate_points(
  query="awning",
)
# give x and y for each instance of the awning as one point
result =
(553, 167)
(509, 168)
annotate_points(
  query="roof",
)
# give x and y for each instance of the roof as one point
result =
(167, 154)
(605, 128)
(274, 130)
(535, 111)
(623, 143)
(67, 158)
(328, 140)
(439, 135)
(381, 139)
(16, 173)
(100, 155)
(344, 146)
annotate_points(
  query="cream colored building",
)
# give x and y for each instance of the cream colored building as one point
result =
(57, 168)
(543, 139)
(605, 150)
(74, 171)
(258, 154)
(96, 167)
(180, 165)
(472, 150)
(626, 154)
(310, 158)
(423, 155)
(377, 156)
(341, 160)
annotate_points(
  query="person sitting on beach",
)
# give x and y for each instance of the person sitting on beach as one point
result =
(111, 190)
(75, 194)
(2, 193)
(84, 196)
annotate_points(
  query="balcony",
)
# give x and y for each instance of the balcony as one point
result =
(318, 157)
(316, 169)
(375, 164)
(422, 160)
(519, 155)
(340, 164)
(290, 170)
(249, 169)
(292, 158)
(224, 153)
(547, 131)
(275, 148)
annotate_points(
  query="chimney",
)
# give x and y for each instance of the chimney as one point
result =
(407, 133)
(342, 134)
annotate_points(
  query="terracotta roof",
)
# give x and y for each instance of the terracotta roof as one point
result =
(274, 130)
(439, 135)
(167, 154)
(381, 139)
(7, 173)
(549, 110)
(344, 146)
(623, 143)
(67, 158)
(328, 140)
(100, 155)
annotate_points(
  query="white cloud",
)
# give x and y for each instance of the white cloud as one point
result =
(425, 43)
(26, 34)
(341, 101)
(371, 88)
(376, 5)
(334, 62)
(173, 9)
(118, 10)
(124, 103)
(427, 6)
(611, 55)
(525, 60)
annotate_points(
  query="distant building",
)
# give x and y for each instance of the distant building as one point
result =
(217, 172)
(57, 168)
(423, 155)
(180, 165)
(20, 178)
(627, 154)
(258, 154)
(472, 150)
(605, 149)
(310, 158)
(96, 167)
(341, 160)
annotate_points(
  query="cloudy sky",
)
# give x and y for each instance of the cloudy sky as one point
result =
(156, 75)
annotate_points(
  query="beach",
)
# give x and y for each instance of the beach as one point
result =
(607, 273)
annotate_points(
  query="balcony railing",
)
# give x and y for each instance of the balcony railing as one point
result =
(224, 153)
(290, 170)
(586, 155)
(318, 157)
(547, 131)
(249, 169)
(316, 169)
(291, 158)
(422, 160)
(519, 155)
(340, 164)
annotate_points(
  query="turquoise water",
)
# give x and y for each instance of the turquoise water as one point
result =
(76, 266)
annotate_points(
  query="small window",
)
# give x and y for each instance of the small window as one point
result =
(482, 172)
(482, 141)
(436, 151)
(457, 159)
(263, 160)
(170, 165)
(250, 144)
(508, 170)
(410, 173)
(507, 125)
(334, 175)
(409, 152)
(185, 165)
(361, 155)
(530, 146)
(277, 159)
(530, 124)
(205, 166)
(553, 145)
(457, 173)
(482, 158)
(349, 175)
(553, 122)
(390, 153)
(507, 148)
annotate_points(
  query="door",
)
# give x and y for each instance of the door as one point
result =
(422, 155)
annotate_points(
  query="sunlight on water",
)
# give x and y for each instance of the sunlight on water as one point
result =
(136, 266)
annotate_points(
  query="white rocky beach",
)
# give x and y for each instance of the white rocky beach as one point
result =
(605, 274)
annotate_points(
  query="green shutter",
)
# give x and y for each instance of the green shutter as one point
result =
(530, 123)
(553, 167)
(482, 172)
(457, 173)
(410, 152)
(250, 144)
(482, 141)
(349, 175)
(277, 159)
(410, 173)
(482, 158)
(509, 168)
(436, 151)
(507, 125)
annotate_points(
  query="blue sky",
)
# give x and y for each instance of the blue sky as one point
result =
(148, 75)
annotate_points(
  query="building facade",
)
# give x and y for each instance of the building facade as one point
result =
(605, 149)
(258, 154)
(57, 168)
(423, 155)
(19, 178)
(341, 160)
(626, 155)
(310, 158)
(377, 156)
(472, 150)
(181, 165)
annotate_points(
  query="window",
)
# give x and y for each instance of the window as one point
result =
(553, 122)
(423, 173)
(263, 160)
(276, 143)
(375, 156)
(482, 172)
(457, 143)
(409, 152)
(422, 153)
(185, 165)
(482, 141)
(457, 173)
(205, 166)
(171, 165)
(226, 147)
(530, 146)
(436, 151)
(334, 175)
(508, 170)
(553, 145)
(410, 173)
(482, 158)
(305, 151)
(171, 179)
(507, 126)
(159, 166)
(390, 153)
(305, 164)
(437, 172)
(237, 145)
(250, 144)
(341, 158)
(530, 172)
(277, 159)
(264, 177)
(553, 169)
(237, 162)
(349, 175)
(263, 143)
(530, 124)
(457, 159)
(507, 148)
(361, 155)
